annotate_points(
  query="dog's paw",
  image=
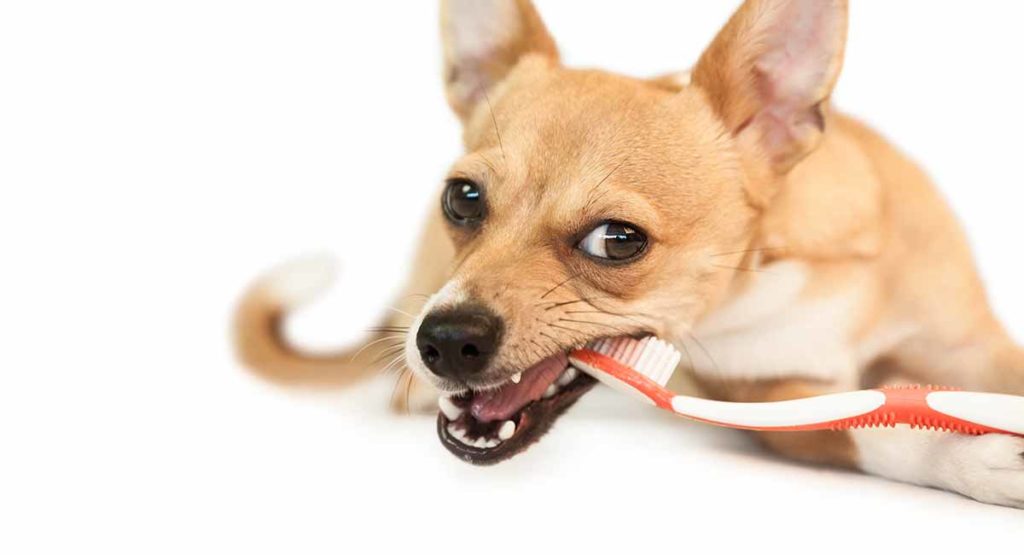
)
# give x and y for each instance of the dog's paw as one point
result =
(988, 468)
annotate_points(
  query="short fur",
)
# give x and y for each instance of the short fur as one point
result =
(794, 251)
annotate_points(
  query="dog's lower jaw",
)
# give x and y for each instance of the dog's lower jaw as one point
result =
(462, 435)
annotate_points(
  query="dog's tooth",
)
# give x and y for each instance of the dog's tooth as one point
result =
(552, 389)
(457, 433)
(517, 377)
(462, 437)
(507, 430)
(481, 443)
(451, 412)
(567, 377)
(491, 444)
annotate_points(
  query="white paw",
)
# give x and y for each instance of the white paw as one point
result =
(987, 468)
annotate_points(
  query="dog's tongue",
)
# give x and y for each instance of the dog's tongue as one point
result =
(502, 403)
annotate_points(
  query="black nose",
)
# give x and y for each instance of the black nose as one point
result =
(458, 343)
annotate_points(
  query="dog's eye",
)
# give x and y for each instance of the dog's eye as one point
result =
(463, 202)
(614, 241)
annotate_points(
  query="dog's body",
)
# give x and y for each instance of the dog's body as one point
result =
(792, 251)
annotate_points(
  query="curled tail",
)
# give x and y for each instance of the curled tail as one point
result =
(258, 322)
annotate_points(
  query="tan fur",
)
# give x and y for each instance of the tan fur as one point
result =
(728, 176)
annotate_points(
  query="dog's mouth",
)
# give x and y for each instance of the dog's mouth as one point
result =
(489, 426)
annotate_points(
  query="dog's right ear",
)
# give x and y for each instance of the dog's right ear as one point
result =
(770, 73)
(483, 41)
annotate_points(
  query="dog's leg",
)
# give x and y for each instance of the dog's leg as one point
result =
(988, 468)
(991, 363)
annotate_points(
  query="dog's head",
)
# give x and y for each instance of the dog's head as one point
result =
(591, 205)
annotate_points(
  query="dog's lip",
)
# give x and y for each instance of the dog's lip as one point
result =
(531, 422)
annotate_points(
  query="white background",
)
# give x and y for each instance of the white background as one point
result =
(156, 156)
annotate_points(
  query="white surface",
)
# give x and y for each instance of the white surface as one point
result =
(781, 414)
(1002, 412)
(154, 157)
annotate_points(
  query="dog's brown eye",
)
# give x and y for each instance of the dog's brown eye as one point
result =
(614, 241)
(463, 202)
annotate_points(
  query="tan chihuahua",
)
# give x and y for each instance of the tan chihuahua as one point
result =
(787, 249)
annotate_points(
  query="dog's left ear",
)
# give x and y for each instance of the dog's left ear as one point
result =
(483, 41)
(770, 72)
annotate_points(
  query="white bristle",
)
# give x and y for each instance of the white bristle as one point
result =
(643, 362)
(667, 365)
(650, 356)
(620, 349)
(632, 352)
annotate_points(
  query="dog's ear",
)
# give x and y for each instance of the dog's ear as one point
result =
(483, 41)
(770, 72)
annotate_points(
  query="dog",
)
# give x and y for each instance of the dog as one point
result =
(786, 248)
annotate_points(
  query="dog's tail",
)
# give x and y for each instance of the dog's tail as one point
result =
(261, 345)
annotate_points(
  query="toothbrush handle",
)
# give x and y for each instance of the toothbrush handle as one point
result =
(919, 407)
(964, 412)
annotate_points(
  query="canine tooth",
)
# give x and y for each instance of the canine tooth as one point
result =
(480, 443)
(493, 443)
(451, 412)
(552, 389)
(507, 430)
(517, 377)
(567, 377)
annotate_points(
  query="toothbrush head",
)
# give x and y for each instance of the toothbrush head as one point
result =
(641, 367)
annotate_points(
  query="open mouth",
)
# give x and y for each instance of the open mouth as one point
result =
(486, 427)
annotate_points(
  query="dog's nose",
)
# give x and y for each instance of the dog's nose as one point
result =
(458, 343)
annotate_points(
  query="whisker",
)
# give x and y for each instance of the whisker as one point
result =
(488, 163)
(610, 313)
(557, 304)
(615, 169)
(590, 199)
(555, 288)
(494, 120)
(391, 350)
(707, 353)
(553, 341)
(402, 312)
(394, 390)
(391, 365)
(686, 351)
(602, 324)
(742, 269)
(573, 330)
(541, 349)
(408, 391)
(417, 296)
(383, 329)
(623, 314)
(400, 338)
(747, 251)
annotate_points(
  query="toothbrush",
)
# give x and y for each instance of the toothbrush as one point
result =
(643, 367)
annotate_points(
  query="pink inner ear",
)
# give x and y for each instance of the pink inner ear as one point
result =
(800, 49)
(795, 71)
